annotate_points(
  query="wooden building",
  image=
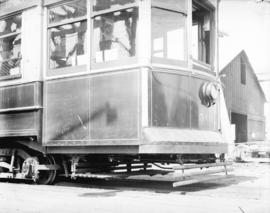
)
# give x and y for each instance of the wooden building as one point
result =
(245, 99)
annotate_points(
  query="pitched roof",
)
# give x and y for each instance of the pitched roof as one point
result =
(243, 54)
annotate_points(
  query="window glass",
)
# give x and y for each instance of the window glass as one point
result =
(67, 31)
(67, 11)
(175, 4)
(115, 35)
(107, 4)
(168, 35)
(10, 46)
(67, 45)
(10, 25)
(201, 33)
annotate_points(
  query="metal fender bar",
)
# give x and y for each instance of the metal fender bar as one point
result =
(187, 174)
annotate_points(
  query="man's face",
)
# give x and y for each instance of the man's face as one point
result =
(16, 50)
(57, 39)
(108, 30)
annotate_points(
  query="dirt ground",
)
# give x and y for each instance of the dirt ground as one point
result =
(246, 190)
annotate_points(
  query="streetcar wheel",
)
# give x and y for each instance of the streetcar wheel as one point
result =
(30, 169)
(46, 177)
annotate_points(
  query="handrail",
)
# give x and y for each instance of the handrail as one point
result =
(19, 109)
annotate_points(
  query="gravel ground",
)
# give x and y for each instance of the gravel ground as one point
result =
(247, 190)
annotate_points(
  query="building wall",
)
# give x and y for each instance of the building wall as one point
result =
(265, 83)
(246, 99)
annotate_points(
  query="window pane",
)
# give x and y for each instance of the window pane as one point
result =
(115, 35)
(176, 4)
(107, 4)
(168, 35)
(67, 11)
(10, 25)
(10, 55)
(67, 45)
(195, 41)
(201, 33)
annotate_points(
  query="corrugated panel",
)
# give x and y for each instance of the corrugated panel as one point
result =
(20, 95)
(17, 121)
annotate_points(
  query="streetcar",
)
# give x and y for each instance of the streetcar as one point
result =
(98, 87)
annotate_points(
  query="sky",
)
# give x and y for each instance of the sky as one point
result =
(247, 25)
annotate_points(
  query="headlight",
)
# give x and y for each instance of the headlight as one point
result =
(208, 93)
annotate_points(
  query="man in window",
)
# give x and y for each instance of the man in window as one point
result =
(67, 43)
(10, 55)
(58, 50)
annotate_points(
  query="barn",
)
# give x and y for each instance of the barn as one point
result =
(244, 98)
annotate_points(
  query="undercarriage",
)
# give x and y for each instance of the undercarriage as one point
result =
(20, 162)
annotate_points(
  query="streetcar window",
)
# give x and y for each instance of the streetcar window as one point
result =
(10, 46)
(201, 32)
(67, 11)
(109, 4)
(115, 35)
(169, 34)
(67, 30)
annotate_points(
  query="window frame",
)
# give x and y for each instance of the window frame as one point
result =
(183, 12)
(70, 69)
(198, 63)
(19, 75)
(118, 62)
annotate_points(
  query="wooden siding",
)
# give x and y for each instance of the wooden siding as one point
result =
(242, 98)
(246, 99)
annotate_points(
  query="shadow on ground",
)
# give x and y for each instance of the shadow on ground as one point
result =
(151, 185)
